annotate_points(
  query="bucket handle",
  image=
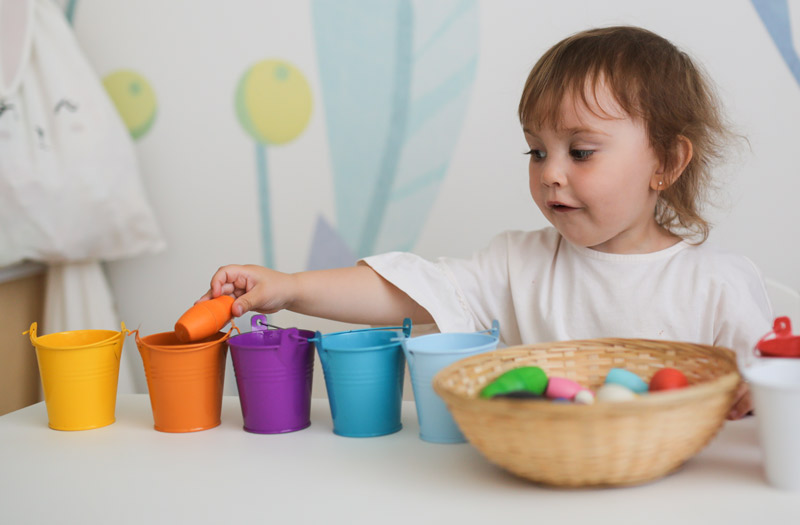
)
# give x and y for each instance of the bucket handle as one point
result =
(123, 332)
(317, 339)
(34, 326)
(227, 335)
(32, 332)
(258, 323)
(781, 328)
(494, 331)
(406, 328)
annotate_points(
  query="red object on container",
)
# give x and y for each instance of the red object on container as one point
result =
(668, 379)
(204, 319)
(782, 343)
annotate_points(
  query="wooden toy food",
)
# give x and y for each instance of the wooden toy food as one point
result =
(584, 397)
(580, 446)
(528, 378)
(612, 392)
(204, 319)
(668, 379)
(628, 379)
(519, 394)
(562, 388)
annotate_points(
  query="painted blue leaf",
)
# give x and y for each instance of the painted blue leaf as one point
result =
(775, 16)
(396, 78)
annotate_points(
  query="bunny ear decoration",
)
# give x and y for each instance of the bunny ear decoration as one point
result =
(16, 30)
(70, 187)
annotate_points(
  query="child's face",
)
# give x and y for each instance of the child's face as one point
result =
(595, 178)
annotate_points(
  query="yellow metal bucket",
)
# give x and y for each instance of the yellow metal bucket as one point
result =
(79, 371)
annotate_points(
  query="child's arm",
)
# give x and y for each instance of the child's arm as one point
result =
(352, 295)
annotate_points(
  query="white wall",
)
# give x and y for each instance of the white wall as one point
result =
(198, 165)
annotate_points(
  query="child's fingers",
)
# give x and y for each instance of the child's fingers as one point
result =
(240, 282)
(743, 403)
(225, 289)
(241, 305)
(224, 279)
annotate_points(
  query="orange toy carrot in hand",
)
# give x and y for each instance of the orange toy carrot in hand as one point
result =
(204, 319)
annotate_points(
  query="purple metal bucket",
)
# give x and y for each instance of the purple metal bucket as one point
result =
(274, 370)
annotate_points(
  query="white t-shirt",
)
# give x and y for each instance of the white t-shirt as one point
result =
(541, 288)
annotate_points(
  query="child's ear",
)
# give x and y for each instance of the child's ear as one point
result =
(668, 174)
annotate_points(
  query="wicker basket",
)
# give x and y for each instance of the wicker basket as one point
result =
(573, 445)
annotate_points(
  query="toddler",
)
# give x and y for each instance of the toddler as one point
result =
(622, 129)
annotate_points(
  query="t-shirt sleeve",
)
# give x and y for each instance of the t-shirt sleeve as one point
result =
(428, 284)
(462, 295)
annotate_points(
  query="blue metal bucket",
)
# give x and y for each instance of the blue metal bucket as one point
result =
(427, 355)
(364, 377)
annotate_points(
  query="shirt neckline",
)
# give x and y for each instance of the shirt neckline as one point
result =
(628, 257)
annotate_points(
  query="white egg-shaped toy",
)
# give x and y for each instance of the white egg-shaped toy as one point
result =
(612, 392)
(584, 397)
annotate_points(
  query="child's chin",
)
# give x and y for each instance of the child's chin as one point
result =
(582, 240)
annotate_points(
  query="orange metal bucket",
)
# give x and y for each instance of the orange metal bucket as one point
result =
(184, 380)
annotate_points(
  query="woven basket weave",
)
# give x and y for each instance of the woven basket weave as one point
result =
(573, 445)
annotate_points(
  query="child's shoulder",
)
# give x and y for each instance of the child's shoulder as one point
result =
(733, 279)
(721, 265)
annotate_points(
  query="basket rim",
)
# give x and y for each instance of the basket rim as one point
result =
(653, 400)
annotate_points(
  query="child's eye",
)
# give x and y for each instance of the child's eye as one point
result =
(581, 154)
(536, 154)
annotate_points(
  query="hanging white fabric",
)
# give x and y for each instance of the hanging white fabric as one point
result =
(70, 188)
(78, 297)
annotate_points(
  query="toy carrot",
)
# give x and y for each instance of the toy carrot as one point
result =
(204, 319)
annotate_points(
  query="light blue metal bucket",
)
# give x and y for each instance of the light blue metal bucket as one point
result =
(364, 372)
(427, 355)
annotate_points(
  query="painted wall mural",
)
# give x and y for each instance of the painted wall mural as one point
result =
(395, 79)
(273, 104)
(775, 16)
(134, 99)
(129, 90)
(395, 92)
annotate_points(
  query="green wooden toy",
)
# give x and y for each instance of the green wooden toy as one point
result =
(527, 378)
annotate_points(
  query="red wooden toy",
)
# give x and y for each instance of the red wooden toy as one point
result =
(668, 379)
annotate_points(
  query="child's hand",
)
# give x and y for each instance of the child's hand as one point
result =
(254, 287)
(742, 403)
(355, 294)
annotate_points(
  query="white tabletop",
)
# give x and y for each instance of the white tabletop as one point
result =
(129, 473)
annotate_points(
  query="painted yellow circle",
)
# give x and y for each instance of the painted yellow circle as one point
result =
(273, 102)
(134, 98)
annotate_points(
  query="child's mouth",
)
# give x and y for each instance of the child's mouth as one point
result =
(559, 207)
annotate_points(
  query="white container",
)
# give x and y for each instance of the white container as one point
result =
(775, 386)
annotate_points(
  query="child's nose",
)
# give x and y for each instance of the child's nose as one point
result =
(553, 173)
